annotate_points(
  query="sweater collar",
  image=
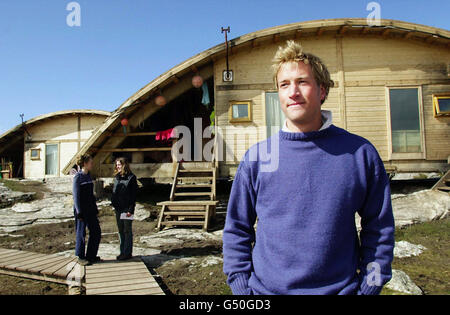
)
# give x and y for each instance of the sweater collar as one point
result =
(307, 136)
(327, 120)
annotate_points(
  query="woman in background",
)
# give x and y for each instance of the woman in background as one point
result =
(85, 212)
(124, 201)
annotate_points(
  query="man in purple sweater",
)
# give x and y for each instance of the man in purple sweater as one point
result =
(306, 241)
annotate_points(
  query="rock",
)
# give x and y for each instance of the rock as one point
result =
(11, 235)
(422, 206)
(141, 213)
(404, 249)
(154, 261)
(401, 282)
(194, 262)
(61, 185)
(26, 207)
(211, 260)
(178, 237)
(419, 207)
(157, 242)
(9, 197)
(54, 208)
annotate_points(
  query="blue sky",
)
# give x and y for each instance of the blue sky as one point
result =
(122, 45)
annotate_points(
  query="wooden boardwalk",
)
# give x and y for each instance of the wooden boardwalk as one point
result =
(52, 268)
(121, 278)
(106, 278)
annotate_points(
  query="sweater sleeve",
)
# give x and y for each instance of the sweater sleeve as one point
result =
(133, 192)
(377, 233)
(239, 233)
(76, 195)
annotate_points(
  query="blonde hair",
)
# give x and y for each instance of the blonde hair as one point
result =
(293, 52)
(125, 167)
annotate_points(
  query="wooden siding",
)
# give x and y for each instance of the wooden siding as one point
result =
(362, 68)
(63, 131)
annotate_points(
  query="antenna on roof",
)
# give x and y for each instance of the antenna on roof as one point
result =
(24, 126)
(227, 74)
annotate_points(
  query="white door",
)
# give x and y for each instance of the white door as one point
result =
(51, 159)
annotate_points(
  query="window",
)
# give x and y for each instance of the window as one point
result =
(274, 115)
(405, 120)
(240, 111)
(441, 104)
(35, 154)
(51, 159)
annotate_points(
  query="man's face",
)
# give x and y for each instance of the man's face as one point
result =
(300, 95)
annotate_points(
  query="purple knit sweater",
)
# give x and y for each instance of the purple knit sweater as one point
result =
(306, 240)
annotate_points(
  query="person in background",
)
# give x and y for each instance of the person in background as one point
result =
(86, 213)
(124, 201)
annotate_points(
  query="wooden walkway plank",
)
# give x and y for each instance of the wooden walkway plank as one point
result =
(109, 265)
(64, 271)
(51, 270)
(125, 288)
(5, 255)
(52, 261)
(117, 283)
(6, 250)
(90, 280)
(7, 261)
(34, 259)
(118, 267)
(149, 291)
(114, 273)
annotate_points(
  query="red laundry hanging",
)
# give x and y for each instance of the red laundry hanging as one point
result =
(165, 135)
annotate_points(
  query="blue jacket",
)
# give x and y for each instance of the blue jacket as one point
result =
(83, 195)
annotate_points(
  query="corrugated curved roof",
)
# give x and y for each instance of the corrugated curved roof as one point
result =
(41, 118)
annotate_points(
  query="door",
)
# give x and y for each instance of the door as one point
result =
(51, 159)
(274, 115)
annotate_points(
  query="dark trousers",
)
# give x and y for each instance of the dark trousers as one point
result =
(95, 234)
(125, 235)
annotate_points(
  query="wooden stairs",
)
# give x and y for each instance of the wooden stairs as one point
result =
(443, 184)
(192, 198)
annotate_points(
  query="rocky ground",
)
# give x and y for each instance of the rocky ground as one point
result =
(189, 261)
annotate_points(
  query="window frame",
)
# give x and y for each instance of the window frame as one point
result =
(406, 155)
(38, 150)
(249, 117)
(436, 110)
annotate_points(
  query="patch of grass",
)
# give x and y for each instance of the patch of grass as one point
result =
(19, 286)
(26, 186)
(420, 176)
(180, 278)
(430, 270)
